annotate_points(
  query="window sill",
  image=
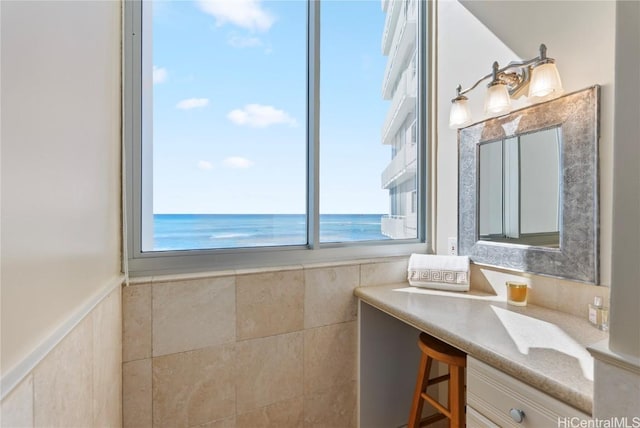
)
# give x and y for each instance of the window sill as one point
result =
(173, 267)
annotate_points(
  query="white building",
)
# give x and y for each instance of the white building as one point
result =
(399, 128)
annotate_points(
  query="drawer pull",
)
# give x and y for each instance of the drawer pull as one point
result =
(517, 415)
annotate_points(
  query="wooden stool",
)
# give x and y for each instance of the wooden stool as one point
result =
(433, 349)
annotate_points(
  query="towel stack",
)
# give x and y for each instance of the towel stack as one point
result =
(439, 272)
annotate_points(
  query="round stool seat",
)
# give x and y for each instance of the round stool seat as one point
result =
(440, 351)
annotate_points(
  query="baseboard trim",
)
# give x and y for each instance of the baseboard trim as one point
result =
(13, 377)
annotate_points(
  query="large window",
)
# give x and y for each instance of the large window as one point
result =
(262, 132)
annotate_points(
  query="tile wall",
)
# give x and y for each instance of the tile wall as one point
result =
(559, 294)
(78, 384)
(274, 348)
(267, 348)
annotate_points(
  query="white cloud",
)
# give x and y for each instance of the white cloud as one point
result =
(238, 162)
(192, 103)
(260, 116)
(205, 165)
(243, 41)
(247, 14)
(159, 75)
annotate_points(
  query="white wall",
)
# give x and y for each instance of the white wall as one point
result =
(60, 173)
(625, 292)
(580, 35)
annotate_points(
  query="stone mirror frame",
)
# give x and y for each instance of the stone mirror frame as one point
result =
(577, 257)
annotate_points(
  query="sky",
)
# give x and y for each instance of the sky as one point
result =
(229, 107)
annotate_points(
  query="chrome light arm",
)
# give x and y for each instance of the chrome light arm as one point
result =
(516, 81)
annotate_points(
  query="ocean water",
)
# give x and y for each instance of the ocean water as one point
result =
(210, 231)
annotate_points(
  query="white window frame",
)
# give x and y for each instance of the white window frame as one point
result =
(141, 263)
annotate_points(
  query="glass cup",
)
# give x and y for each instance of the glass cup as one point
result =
(516, 293)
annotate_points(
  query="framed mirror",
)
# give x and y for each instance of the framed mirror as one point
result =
(528, 189)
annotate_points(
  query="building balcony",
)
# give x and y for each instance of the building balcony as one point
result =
(400, 227)
(392, 7)
(403, 44)
(401, 168)
(402, 104)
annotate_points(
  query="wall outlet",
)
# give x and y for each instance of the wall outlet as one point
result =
(452, 246)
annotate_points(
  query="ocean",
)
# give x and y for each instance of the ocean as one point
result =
(211, 231)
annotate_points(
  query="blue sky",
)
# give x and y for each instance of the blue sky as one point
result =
(230, 107)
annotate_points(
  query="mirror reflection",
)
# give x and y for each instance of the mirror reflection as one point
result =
(519, 189)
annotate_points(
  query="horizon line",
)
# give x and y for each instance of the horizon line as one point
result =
(266, 214)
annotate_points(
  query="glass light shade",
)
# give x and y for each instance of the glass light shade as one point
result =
(498, 100)
(460, 116)
(545, 80)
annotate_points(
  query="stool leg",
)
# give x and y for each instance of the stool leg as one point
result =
(421, 385)
(456, 396)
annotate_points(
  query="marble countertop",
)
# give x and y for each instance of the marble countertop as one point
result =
(541, 347)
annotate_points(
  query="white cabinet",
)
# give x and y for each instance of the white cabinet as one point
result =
(497, 399)
(476, 420)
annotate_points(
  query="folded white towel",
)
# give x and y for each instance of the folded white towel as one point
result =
(439, 272)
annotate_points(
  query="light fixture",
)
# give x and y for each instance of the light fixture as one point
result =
(497, 100)
(545, 79)
(538, 74)
(460, 114)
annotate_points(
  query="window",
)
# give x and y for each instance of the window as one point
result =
(265, 132)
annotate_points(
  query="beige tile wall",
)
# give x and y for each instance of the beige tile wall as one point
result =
(273, 348)
(565, 296)
(78, 384)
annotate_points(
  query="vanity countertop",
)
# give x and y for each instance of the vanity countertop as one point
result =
(541, 347)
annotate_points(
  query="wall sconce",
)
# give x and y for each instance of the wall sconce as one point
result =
(539, 74)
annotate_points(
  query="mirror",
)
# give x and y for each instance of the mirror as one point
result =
(528, 189)
(519, 189)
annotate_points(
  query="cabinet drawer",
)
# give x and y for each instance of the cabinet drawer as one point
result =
(476, 420)
(493, 394)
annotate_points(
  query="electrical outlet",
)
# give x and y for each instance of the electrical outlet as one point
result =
(452, 246)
